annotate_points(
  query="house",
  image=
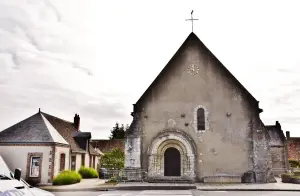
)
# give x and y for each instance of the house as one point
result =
(197, 122)
(44, 145)
(278, 147)
(107, 145)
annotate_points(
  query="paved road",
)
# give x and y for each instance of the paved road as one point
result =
(178, 193)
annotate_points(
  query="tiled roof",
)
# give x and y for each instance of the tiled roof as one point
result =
(35, 129)
(66, 129)
(108, 145)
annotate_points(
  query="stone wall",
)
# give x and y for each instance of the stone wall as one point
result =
(293, 148)
(278, 147)
(176, 139)
(233, 140)
(262, 152)
(133, 144)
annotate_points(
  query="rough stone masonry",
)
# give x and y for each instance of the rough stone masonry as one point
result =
(196, 122)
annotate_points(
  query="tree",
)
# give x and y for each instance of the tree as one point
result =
(118, 132)
(113, 159)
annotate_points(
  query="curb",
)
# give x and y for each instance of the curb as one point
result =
(80, 190)
(250, 190)
(142, 188)
(132, 188)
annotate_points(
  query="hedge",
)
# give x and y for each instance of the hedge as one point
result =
(67, 177)
(294, 163)
(86, 172)
(290, 178)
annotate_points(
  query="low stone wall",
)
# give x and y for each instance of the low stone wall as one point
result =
(223, 179)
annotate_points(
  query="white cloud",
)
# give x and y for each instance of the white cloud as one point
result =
(97, 58)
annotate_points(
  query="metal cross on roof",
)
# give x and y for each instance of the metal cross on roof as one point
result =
(192, 19)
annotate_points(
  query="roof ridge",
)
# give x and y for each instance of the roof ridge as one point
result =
(57, 117)
(56, 136)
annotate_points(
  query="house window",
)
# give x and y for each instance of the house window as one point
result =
(200, 119)
(82, 159)
(62, 162)
(91, 158)
(34, 166)
(73, 163)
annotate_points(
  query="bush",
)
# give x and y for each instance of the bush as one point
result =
(294, 163)
(86, 172)
(112, 180)
(286, 178)
(67, 177)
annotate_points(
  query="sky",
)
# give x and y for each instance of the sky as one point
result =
(96, 58)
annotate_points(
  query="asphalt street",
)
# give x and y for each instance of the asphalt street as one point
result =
(179, 193)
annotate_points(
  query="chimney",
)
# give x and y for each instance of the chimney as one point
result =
(278, 125)
(77, 121)
(287, 134)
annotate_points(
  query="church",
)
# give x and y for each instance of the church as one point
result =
(196, 122)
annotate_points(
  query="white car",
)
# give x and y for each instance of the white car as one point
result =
(13, 185)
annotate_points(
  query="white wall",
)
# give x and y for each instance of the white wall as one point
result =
(16, 157)
(59, 150)
(78, 161)
(87, 160)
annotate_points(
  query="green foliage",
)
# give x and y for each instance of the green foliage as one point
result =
(294, 163)
(286, 175)
(67, 177)
(295, 177)
(118, 132)
(113, 179)
(87, 172)
(113, 159)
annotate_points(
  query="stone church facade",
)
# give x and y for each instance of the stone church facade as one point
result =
(196, 122)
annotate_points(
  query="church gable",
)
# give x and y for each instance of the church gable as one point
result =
(196, 99)
(196, 60)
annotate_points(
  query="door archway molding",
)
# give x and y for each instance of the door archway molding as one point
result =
(177, 139)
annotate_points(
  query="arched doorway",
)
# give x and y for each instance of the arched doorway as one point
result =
(162, 164)
(172, 162)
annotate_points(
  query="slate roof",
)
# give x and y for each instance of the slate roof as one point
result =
(44, 128)
(193, 38)
(35, 129)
